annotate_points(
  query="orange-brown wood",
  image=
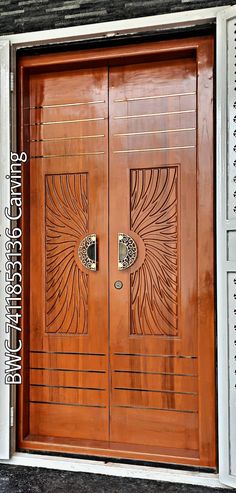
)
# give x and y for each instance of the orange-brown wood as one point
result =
(68, 304)
(155, 314)
(155, 398)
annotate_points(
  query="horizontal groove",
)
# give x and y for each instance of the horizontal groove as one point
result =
(55, 139)
(46, 156)
(158, 409)
(157, 373)
(67, 369)
(161, 96)
(65, 404)
(65, 387)
(157, 355)
(153, 149)
(153, 132)
(66, 352)
(155, 390)
(124, 117)
(64, 121)
(64, 105)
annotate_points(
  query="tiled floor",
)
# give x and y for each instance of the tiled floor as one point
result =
(16, 479)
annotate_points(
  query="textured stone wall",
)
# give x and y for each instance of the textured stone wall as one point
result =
(18, 16)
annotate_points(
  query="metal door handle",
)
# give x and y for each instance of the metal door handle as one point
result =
(127, 251)
(88, 252)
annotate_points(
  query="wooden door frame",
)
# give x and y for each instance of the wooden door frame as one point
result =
(116, 55)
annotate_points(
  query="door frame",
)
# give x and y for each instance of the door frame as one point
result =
(158, 23)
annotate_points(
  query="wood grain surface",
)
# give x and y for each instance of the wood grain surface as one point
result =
(120, 141)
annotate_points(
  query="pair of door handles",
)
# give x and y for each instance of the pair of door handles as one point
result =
(127, 252)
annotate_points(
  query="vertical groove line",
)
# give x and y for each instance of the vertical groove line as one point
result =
(197, 221)
(108, 256)
(130, 227)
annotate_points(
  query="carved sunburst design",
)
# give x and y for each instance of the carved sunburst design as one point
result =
(66, 198)
(154, 217)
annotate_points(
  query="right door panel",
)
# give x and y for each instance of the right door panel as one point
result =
(156, 355)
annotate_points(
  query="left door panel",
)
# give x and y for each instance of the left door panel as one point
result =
(65, 124)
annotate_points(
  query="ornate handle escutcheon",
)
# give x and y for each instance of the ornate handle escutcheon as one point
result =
(88, 252)
(127, 251)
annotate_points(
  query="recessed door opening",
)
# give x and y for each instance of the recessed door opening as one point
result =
(118, 250)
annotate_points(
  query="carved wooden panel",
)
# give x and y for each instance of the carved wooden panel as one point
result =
(66, 222)
(154, 217)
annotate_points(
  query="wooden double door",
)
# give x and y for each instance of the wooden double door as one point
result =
(118, 319)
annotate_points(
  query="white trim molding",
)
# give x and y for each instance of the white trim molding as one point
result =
(226, 242)
(109, 29)
(116, 469)
(4, 223)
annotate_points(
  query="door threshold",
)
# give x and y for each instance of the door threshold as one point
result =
(115, 469)
(108, 450)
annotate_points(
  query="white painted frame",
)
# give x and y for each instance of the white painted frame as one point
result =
(226, 252)
(4, 202)
(113, 28)
(94, 31)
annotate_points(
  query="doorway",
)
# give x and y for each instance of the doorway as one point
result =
(118, 252)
